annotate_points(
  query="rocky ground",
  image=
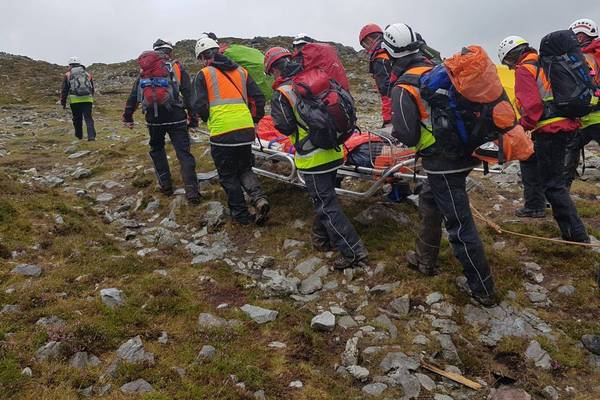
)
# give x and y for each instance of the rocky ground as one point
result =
(111, 290)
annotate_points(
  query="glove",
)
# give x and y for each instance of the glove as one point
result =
(127, 121)
(192, 123)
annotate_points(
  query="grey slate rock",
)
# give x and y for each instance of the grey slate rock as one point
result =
(310, 285)
(323, 322)
(82, 360)
(112, 297)
(138, 386)
(400, 306)
(591, 343)
(27, 270)
(374, 389)
(538, 355)
(258, 314)
(52, 349)
(133, 352)
(398, 360)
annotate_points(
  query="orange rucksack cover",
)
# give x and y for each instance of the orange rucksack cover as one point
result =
(516, 145)
(474, 75)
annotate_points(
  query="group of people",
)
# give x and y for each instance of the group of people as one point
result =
(225, 96)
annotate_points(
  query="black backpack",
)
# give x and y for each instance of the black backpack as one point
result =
(568, 73)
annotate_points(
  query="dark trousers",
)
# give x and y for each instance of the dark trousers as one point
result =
(551, 150)
(80, 112)
(181, 142)
(574, 151)
(444, 197)
(331, 224)
(533, 190)
(234, 165)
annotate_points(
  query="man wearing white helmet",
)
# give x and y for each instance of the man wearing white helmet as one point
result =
(544, 173)
(587, 34)
(78, 90)
(171, 119)
(228, 99)
(444, 196)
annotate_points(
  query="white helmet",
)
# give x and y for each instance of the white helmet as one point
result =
(508, 44)
(399, 40)
(302, 38)
(205, 43)
(585, 25)
(74, 60)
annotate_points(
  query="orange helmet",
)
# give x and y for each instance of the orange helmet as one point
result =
(273, 55)
(367, 30)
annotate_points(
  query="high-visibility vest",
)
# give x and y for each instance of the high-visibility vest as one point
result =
(426, 139)
(227, 98)
(531, 64)
(317, 157)
(74, 99)
(592, 118)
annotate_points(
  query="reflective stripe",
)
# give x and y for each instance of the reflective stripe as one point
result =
(227, 101)
(228, 108)
(426, 139)
(317, 156)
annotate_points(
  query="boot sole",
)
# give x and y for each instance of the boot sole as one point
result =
(263, 215)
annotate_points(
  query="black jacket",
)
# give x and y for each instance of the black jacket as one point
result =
(200, 105)
(406, 121)
(282, 111)
(66, 86)
(164, 115)
(381, 69)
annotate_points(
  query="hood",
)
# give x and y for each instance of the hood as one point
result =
(223, 63)
(290, 70)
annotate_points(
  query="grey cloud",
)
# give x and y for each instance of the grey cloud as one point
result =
(111, 30)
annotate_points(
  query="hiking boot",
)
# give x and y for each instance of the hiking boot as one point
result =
(91, 139)
(487, 301)
(195, 200)
(524, 212)
(244, 220)
(262, 212)
(321, 245)
(414, 264)
(167, 191)
(342, 263)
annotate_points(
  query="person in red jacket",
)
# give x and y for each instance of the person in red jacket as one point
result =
(544, 173)
(380, 66)
(587, 34)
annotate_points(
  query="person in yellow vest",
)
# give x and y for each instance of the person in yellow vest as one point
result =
(78, 91)
(331, 228)
(443, 197)
(544, 173)
(228, 99)
(587, 34)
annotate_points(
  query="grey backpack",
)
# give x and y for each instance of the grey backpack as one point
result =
(80, 82)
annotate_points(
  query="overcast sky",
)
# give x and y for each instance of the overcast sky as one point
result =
(118, 30)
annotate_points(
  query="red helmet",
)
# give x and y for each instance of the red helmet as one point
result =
(275, 54)
(367, 30)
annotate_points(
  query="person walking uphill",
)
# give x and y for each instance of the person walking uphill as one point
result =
(78, 90)
(444, 196)
(331, 228)
(227, 97)
(553, 136)
(164, 90)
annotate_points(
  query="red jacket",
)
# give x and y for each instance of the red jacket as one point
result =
(380, 66)
(530, 101)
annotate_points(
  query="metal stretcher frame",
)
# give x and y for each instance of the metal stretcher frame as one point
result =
(377, 176)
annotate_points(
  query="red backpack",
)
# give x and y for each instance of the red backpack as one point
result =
(159, 85)
(324, 103)
(324, 56)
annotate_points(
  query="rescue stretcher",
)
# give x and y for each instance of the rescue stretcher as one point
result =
(390, 163)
